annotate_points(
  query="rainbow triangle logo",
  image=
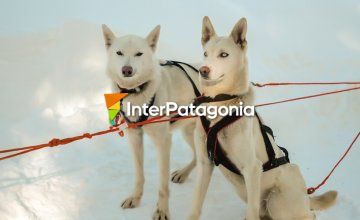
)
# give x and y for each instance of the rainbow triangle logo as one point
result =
(113, 106)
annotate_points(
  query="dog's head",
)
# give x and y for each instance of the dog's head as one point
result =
(225, 63)
(131, 59)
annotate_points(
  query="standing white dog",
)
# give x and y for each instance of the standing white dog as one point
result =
(260, 170)
(134, 69)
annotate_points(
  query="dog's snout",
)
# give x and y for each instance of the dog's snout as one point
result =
(127, 71)
(204, 71)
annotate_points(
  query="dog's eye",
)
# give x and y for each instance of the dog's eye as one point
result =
(223, 55)
(119, 53)
(138, 54)
(205, 54)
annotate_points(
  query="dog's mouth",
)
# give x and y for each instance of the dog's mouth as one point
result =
(211, 82)
(134, 90)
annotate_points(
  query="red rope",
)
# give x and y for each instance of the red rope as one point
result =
(308, 97)
(303, 83)
(56, 142)
(53, 143)
(311, 190)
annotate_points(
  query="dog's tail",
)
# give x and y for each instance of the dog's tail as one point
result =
(323, 201)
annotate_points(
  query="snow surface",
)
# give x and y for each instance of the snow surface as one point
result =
(52, 84)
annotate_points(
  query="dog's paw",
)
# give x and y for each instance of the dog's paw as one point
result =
(130, 203)
(161, 215)
(179, 176)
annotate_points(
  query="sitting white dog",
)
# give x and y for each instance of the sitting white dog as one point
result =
(245, 149)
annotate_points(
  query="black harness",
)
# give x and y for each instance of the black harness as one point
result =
(216, 153)
(133, 91)
(145, 117)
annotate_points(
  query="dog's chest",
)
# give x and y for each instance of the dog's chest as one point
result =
(230, 137)
(233, 135)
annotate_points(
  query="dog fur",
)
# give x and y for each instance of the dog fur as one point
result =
(278, 194)
(169, 83)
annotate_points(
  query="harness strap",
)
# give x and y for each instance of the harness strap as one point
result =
(273, 162)
(218, 98)
(268, 130)
(268, 146)
(217, 155)
(177, 64)
(192, 67)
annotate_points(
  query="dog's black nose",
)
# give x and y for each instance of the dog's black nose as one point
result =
(127, 71)
(204, 71)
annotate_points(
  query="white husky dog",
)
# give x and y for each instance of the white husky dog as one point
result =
(279, 193)
(133, 69)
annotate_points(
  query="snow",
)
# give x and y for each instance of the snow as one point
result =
(52, 83)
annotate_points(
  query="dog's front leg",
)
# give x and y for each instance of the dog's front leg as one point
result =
(179, 176)
(244, 157)
(251, 170)
(204, 172)
(252, 176)
(162, 140)
(136, 144)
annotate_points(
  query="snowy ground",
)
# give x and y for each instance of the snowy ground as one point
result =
(52, 83)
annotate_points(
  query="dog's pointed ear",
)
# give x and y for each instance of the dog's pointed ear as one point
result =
(153, 38)
(238, 33)
(109, 36)
(208, 30)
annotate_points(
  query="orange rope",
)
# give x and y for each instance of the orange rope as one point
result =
(303, 83)
(311, 190)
